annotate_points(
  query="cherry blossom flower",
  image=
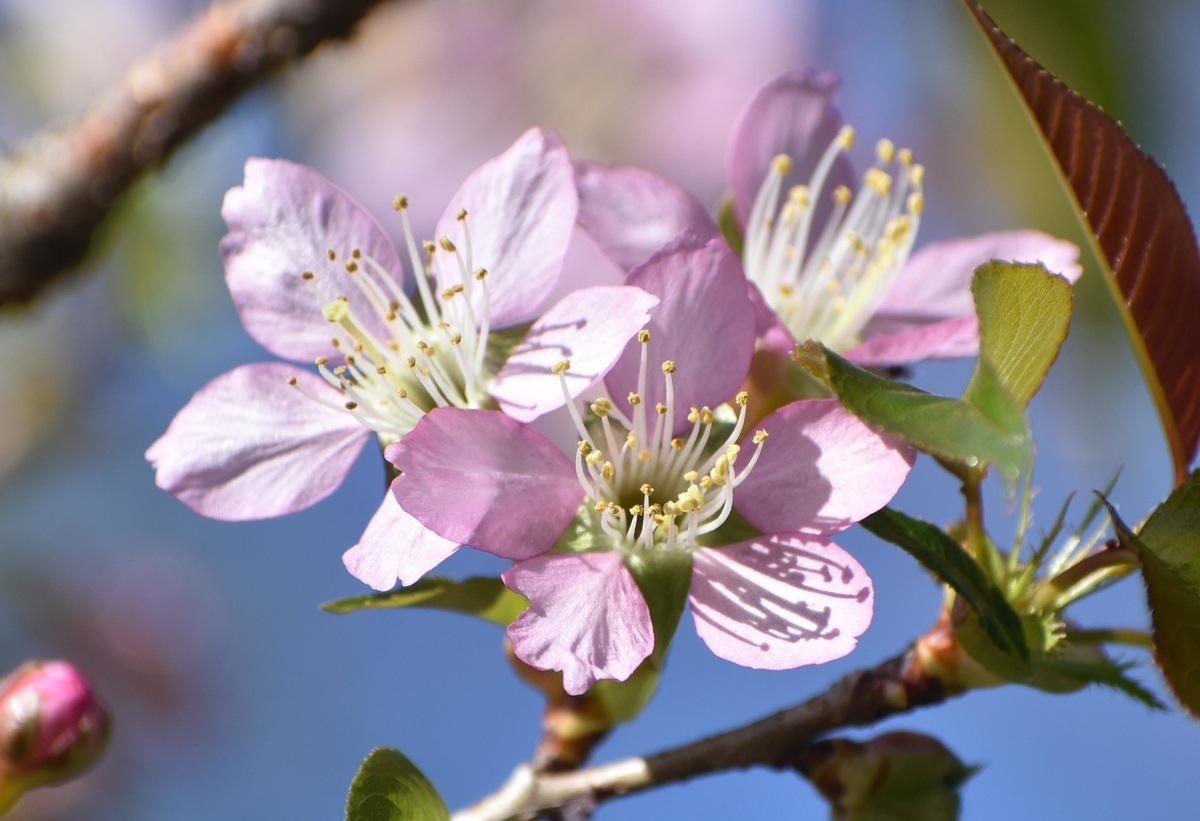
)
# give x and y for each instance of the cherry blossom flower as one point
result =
(315, 279)
(662, 467)
(833, 260)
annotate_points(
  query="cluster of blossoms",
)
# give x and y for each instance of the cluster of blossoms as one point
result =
(675, 484)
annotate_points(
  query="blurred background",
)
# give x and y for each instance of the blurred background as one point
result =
(234, 696)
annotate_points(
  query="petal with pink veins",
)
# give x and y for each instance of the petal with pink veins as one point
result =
(632, 213)
(586, 617)
(521, 209)
(935, 284)
(793, 115)
(395, 546)
(780, 601)
(704, 323)
(589, 328)
(822, 469)
(481, 478)
(938, 340)
(250, 446)
(282, 220)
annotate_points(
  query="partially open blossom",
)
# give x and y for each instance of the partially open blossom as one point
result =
(52, 727)
(315, 279)
(830, 260)
(665, 468)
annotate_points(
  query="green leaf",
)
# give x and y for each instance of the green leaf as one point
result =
(731, 229)
(480, 596)
(1168, 546)
(389, 787)
(1065, 673)
(952, 429)
(1024, 311)
(947, 560)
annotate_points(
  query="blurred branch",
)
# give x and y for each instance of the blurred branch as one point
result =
(860, 699)
(56, 187)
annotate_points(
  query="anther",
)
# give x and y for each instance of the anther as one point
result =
(291, 380)
(636, 510)
(339, 370)
(668, 366)
(782, 164)
(706, 415)
(446, 244)
(916, 203)
(661, 408)
(411, 361)
(607, 471)
(307, 275)
(561, 366)
(320, 360)
(634, 399)
(356, 254)
(461, 215)
(455, 338)
(646, 489)
(594, 457)
(643, 336)
(885, 149)
(846, 137)
(381, 370)
(332, 256)
(905, 156)
(760, 436)
(351, 405)
(917, 175)
(677, 443)
(693, 415)
(585, 447)
(841, 194)
(399, 202)
(742, 399)
(691, 476)
(403, 394)
(799, 195)
(878, 179)
(429, 247)
(480, 274)
(600, 507)
(602, 407)
(351, 267)
(350, 360)
(644, 455)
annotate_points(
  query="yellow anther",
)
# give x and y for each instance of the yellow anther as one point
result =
(742, 399)
(841, 194)
(636, 510)
(351, 405)
(731, 453)
(321, 360)
(677, 443)
(668, 366)
(786, 290)
(561, 366)
(335, 342)
(291, 380)
(720, 472)
(634, 399)
(425, 372)
(423, 347)
(601, 507)
(897, 228)
(833, 286)
(410, 361)
(351, 267)
(646, 489)
(706, 416)
(429, 247)
(307, 275)
(691, 476)
(381, 370)
(760, 436)
(916, 203)
(594, 457)
(403, 394)
(693, 415)
(585, 447)
(631, 439)
(461, 215)
(644, 455)
(672, 510)
(455, 338)
(878, 179)
(336, 311)
(885, 149)
(846, 137)
(661, 408)
(446, 244)
(799, 195)
(602, 407)
(705, 482)
(480, 274)
(905, 157)
(643, 336)
(448, 294)
(607, 471)
(356, 253)
(655, 510)
(332, 256)
(917, 175)
(358, 347)
(399, 202)
(782, 164)
(394, 345)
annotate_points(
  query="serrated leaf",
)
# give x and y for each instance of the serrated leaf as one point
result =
(1024, 312)
(1104, 672)
(389, 787)
(951, 429)
(947, 560)
(481, 596)
(1140, 231)
(1168, 546)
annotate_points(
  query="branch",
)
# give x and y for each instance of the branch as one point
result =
(860, 699)
(56, 187)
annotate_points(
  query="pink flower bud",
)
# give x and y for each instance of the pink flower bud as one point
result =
(52, 727)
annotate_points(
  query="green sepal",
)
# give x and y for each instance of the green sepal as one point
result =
(1076, 666)
(731, 228)
(480, 596)
(389, 787)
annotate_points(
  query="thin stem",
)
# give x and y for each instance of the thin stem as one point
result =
(975, 535)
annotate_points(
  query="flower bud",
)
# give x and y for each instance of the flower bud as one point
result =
(52, 727)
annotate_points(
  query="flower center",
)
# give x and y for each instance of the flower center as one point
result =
(433, 354)
(651, 488)
(827, 287)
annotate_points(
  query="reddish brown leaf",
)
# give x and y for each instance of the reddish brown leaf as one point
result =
(1141, 231)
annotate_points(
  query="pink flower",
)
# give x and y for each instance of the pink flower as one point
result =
(828, 263)
(314, 278)
(658, 475)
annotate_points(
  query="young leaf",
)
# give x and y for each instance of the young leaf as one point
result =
(1168, 546)
(1104, 672)
(951, 429)
(947, 560)
(1140, 230)
(1024, 311)
(389, 787)
(480, 596)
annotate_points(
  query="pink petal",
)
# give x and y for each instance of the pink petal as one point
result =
(632, 213)
(589, 328)
(792, 115)
(395, 546)
(939, 340)
(821, 470)
(479, 478)
(250, 446)
(780, 601)
(704, 323)
(282, 220)
(586, 617)
(936, 282)
(521, 209)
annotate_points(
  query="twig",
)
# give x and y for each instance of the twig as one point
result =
(861, 698)
(56, 187)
